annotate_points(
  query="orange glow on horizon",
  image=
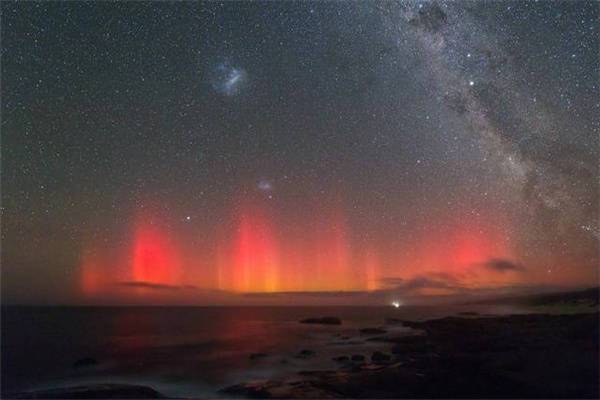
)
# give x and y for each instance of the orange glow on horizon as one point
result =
(155, 259)
(259, 252)
(372, 271)
(460, 254)
(333, 255)
(91, 273)
(255, 261)
(255, 264)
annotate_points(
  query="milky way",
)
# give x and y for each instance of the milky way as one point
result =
(198, 152)
(551, 163)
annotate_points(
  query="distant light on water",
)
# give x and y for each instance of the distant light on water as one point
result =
(396, 303)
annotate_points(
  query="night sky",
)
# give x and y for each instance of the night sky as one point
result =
(212, 153)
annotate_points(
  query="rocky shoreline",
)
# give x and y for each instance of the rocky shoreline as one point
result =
(95, 391)
(464, 356)
(468, 356)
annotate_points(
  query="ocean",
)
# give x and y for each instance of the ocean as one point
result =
(184, 351)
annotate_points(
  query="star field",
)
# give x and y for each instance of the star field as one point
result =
(298, 146)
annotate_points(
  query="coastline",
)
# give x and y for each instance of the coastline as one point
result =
(468, 355)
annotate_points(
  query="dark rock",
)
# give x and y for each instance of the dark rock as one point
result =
(256, 356)
(97, 391)
(411, 344)
(354, 342)
(493, 357)
(378, 357)
(85, 362)
(393, 321)
(468, 314)
(322, 321)
(346, 342)
(250, 390)
(315, 387)
(342, 359)
(589, 297)
(372, 331)
(305, 354)
(384, 339)
(318, 373)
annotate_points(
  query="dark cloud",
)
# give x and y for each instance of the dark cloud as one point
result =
(391, 286)
(306, 294)
(501, 264)
(430, 18)
(456, 102)
(429, 281)
(155, 286)
(406, 290)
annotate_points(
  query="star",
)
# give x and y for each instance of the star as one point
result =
(370, 137)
